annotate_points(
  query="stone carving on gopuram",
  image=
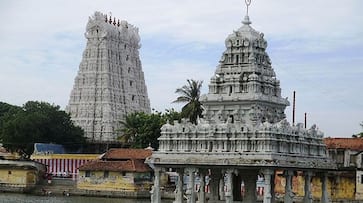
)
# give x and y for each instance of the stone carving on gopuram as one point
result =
(110, 82)
(243, 133)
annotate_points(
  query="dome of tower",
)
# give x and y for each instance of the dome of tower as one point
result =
(246, 36)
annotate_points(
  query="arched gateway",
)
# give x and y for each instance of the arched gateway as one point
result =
(243, 133)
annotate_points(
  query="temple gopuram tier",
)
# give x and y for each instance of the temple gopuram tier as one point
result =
(243, 134)
(110, 82)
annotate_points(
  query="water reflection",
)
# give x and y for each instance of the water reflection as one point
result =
(22, 198)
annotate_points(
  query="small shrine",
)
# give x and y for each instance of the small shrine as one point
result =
(243, 134)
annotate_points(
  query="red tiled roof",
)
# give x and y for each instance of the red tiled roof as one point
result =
(344, 143)
(118, 166)
(127, 154)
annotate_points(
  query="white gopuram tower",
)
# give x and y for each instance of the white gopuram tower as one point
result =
(110, 82)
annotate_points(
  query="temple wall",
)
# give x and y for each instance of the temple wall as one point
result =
(238, 138)
(18, 177)
(116, 181)
(339, 187)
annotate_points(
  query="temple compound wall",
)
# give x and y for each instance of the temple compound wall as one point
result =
(110, 82)
(340, 186)
(243, 134)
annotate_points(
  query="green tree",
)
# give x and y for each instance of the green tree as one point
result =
(190, 94)
(141, 129)
(6, 112)
(130, 127)
(8, 109)
(171, 115)
(39, 122)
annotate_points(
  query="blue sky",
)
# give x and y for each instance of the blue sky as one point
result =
(316, 48)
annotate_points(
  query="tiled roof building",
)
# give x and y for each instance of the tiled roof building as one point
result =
(121, 154)
(120, 166)
(344, 143)
(118, 170)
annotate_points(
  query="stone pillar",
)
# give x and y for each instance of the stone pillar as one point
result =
(214, 184)
(237, 188)
(288, 198)
(308, 198)
(155, 189)
(229, 186)
(273, 196)
(267, 197)
(250, 179)
(324, 188)
(221, 189)
(179, 187)
(201, 198)
(190, 193)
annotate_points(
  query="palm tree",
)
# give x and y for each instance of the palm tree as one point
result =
(190, 94)
(129, 129)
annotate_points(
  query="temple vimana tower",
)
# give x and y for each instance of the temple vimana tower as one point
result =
(110, 82)
(243, 134)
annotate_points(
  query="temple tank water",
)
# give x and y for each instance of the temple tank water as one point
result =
(23, 198)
